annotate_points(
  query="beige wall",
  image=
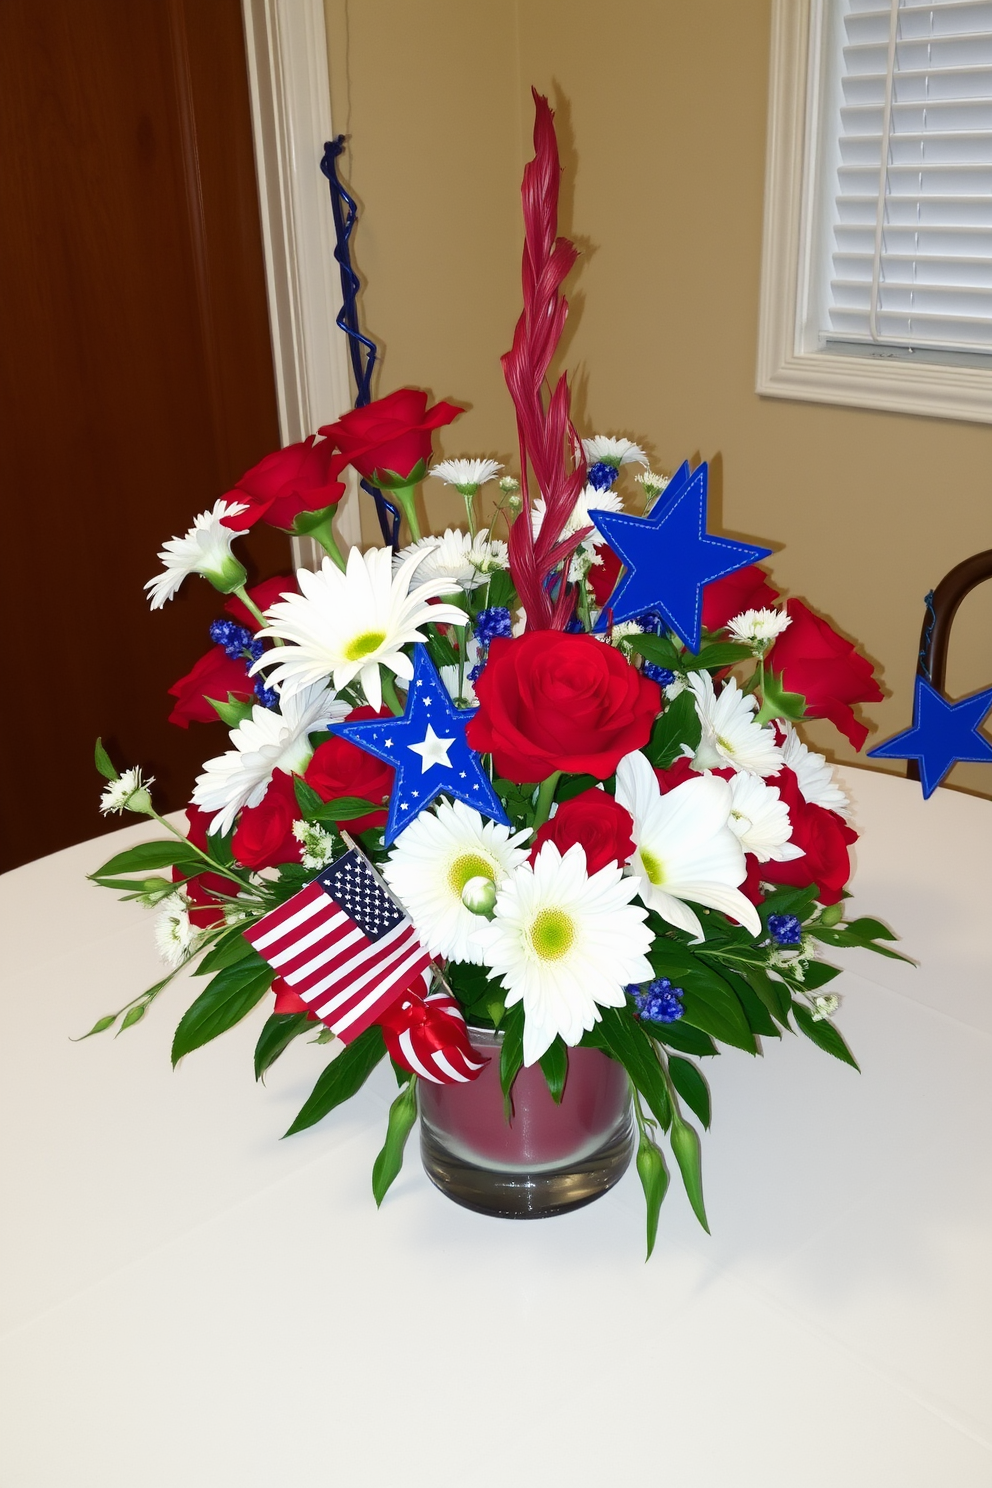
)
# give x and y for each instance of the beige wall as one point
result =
(661, 115)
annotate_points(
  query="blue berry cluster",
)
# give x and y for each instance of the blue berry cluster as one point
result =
(785, 930)
(650, 622)
(602, 475)
(235, 639)
(658, 674)
(659, 1001)
(493, 624)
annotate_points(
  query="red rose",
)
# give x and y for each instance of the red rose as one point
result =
(339, 768)
(264, 837)
(391, 434)
(597, 822)
(264, 594)
(215, 675)
(553, 701)
(824, 838)
(680, 770)
(198, 889)
(300, 478)
(603, 576)
(747, 589)
(288, 1001)
(811, 658)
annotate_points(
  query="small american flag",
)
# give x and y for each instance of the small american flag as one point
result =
(343, 945)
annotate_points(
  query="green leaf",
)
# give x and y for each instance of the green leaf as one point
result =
(439, 648)
(691, 1087)
(867, 929)
(229, 949)
(709, 1003)
(345, 808)
(777, 703)
(788, 901)
(678, 724)
(307, 799)
(824, 1035)
(306, 522)
(774, 995)
(103, 762)
(631, 1046)
(276, 1036)
(845, 938)
(685, 1145)
(722, 655)
(758, 1017)
(233, 712)
(402, 1115)
(133, 1015)
(683, 1036)
(151, 855)
(554, 1063)
(501, 591)
(512, 1053)
(654, 1180)
(658, 649)
(222, 1003)
(575, 785)
(818, 974)
(343, 1078)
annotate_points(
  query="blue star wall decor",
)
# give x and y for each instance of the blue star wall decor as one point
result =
(428, 751)
(942, 734)
(670, 557)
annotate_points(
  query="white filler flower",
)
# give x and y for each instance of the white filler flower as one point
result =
(129, 792)
(564, 941)
(466, 475)
(433, 860)
(174, 934)
(206, 550)
(344, 625)
(730, 735)
(686, 848)
(760, 820)
(759, 628)
(465, 562)
(604, 450)
(265, 742)
(815, 776)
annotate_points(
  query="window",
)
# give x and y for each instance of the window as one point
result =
(877, 273)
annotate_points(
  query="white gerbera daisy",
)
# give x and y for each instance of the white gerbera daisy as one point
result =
(433, 860)
(730, 735)
(686, 848)
(588, 500)
(815, 776)
(465, 562)
(758, 628)
(206, 550)
(129, 792)
(564, 941)
(174, 932)
(760, 819)
(263, 743)
(466, 475)
(604, 450)
(346, 624)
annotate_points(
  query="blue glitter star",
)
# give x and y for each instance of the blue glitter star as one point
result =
(942, 734)
(670, 557)
(428, 751)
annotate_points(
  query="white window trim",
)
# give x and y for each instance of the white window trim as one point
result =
(286, 47)
(785, 370)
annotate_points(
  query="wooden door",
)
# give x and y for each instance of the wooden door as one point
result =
(136, 383)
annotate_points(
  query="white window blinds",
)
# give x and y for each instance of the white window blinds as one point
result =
(906, 138)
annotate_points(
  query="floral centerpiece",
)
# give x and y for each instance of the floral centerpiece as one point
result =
(558, 752)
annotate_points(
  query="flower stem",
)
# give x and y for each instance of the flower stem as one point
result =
(389, 692)
(324, 534)
(406, 496)
(250, 605)
(469, 499)
(545, 797)
(214, 867)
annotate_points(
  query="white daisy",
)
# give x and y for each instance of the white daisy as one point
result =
(815, 776)
(461, 688)
(686, 848)
(129, 792)
(758, 628)
(564, 941)
(174, 933)
(346, 624)
(466, 475)
(760, 819)
(206, 550)
(604, 450)
(730, 735)
(588, 500)
(463, 561)
(433, 860)
(265, 742)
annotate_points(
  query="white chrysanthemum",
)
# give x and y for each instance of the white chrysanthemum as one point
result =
(344, 625)
(206, 550)
(759, 627)
(129, 792)
(564, 941)
(604, 450)
(760, 819)
(265, 742)
(466, 475)
(653, 484)
(433, 860)
(463, 561)
(589, 499)
(686, 848)
(318, 845)
(813, 773)
(730, 735)
(174, 932)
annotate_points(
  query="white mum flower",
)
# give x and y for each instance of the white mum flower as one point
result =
(730, 735)
(463, 561)
(466, 475)
(813, 773)
(653, 485)
(206, 550)
(174, 932)
(565, 943)
(589, 499)
(760, 819)
(759, 628)
(603, 450)
(686, 848)
(263, 743)
(129, 792)
(433, 860)
(346, 624)
(318, 845)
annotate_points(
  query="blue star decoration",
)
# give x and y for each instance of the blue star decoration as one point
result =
(427, 749)
(942, 734)
(670, 557)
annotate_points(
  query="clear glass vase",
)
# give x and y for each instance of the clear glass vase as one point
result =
(547, 1158)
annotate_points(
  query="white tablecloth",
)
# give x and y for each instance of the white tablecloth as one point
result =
(189, 1302)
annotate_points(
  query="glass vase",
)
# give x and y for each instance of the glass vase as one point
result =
(547, 1158)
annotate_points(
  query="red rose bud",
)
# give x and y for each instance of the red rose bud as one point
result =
(264, 837)
(339, 768)
(300, 478)
(198, 889)
(812, 659)
(551, 701)
(598, 823)
(824, 838)
(391, 434)
(747, 589)
(214, 676)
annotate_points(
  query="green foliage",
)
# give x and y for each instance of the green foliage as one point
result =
(554, 1063)
(152, 855)
(224, 1001)
(133, 1015)
(684, 1037)
(817, 975)
(512, 1053)
(658, 649)
(624, 1037)
(677, 725)
(710, 658)
(709, 1002)
(501, 591)
(229, 948)
(774, 995)
(307, 799)
(691, 1087)
(345, 808)
(685, 1145)
(777, 703)
(343, 1078)
(823, 1034)
(759, 1019)
(232, 712)
(402, 1115)
(654, 1180)
(864, 933)
(100, 1026)
(103, 762)
(276, 1036)
(439, 648)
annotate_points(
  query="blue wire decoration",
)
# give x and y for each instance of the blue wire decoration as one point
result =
(924, 657)
(345, 213)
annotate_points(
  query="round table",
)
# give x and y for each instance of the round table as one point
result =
(189, 1302)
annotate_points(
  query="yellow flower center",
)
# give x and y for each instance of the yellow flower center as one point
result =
(469, 865)
(552, 934)
(725, 744)
(653, 867)
(364, 645)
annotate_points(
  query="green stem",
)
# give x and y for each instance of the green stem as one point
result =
(406, 496)
(469, 499)
(584, 614)
(389, 692)
(250, 605)
(545, 797)
(214, 867)
(324, 534)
